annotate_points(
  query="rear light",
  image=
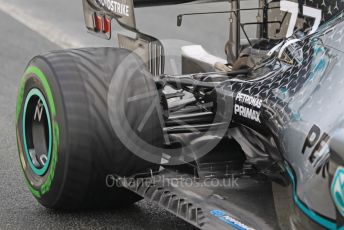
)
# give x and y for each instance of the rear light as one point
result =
(107, 24)
(102, 23)
(98, 23)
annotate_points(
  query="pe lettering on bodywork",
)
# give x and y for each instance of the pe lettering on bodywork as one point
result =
(317, 143)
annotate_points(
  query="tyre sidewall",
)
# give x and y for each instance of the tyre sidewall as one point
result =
(47, 188)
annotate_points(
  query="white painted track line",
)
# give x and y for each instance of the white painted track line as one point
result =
(44, 28)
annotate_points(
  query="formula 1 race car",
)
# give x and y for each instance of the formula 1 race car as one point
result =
(254, 141)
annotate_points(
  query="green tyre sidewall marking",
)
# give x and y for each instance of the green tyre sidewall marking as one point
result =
(33, 70)
(38, 93)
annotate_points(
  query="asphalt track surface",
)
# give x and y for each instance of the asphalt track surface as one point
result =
(28, 28)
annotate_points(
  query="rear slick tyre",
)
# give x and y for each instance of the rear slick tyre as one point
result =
(66, 144)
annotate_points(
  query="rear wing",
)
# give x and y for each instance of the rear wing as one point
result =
(99, 13)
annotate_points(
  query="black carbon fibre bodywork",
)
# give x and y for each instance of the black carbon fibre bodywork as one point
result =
(197, 205)
(301, 109)
(288, 112)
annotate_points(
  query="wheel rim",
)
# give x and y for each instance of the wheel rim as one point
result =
(37, 133)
